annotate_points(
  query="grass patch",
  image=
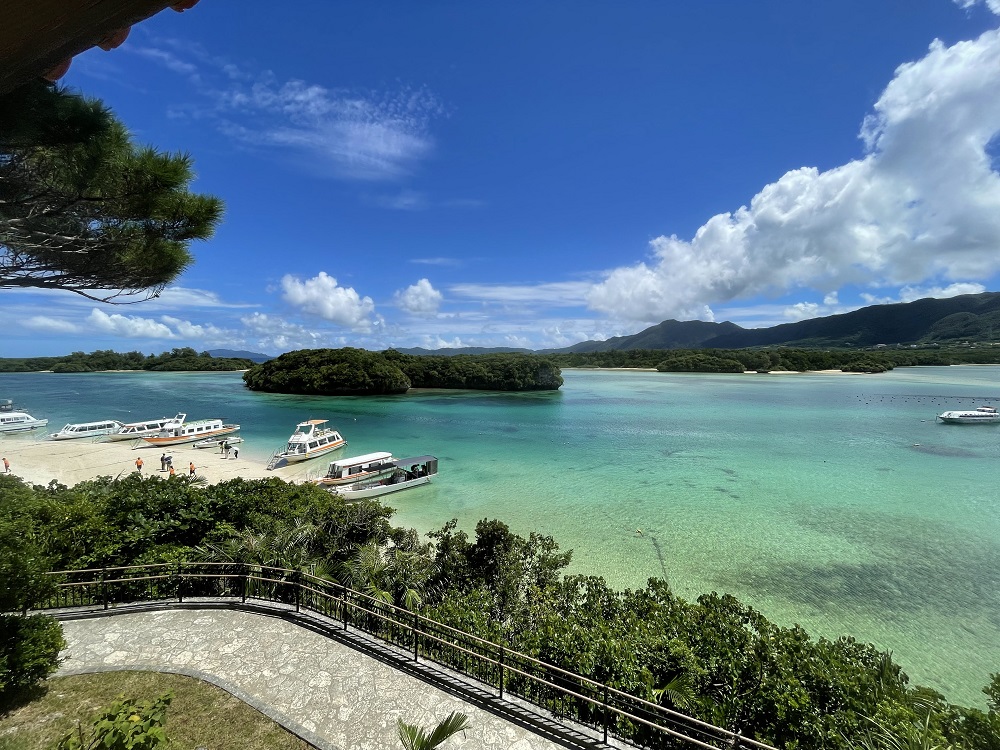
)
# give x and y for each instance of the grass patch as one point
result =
(201, 715)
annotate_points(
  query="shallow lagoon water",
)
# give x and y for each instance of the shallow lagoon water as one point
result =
(836, 502)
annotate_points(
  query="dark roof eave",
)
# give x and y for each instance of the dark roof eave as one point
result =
(37, 35)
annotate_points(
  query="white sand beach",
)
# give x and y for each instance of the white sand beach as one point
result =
(40, 461)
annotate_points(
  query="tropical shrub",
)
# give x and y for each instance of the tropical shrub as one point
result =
(29, 651)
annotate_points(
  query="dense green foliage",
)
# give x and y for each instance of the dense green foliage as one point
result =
(714, 658)
(186, 359)
(350, 371)
(128, 724)
(83, 208)
(29, 651)
(781, 358)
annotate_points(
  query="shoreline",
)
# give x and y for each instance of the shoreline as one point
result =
(746, 372)
(68, 462)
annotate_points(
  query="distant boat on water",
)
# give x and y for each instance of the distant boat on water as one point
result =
(980, 415)
(12, 420)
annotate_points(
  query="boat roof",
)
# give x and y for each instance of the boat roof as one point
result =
(363, 459)
(90, 424)
(313, 421)
(404, 463)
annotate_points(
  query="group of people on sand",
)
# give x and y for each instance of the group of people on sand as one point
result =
(167, 465)
(167, 461)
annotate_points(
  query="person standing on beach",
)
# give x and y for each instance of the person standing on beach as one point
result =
(6, 465)
(163, 462)
(138, 464)
(172, 472)
(191, 469)
(236, 452)
(225, 449)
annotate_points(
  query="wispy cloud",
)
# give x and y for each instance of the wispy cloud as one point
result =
(350, 134)
(453, 262)
(558, 294)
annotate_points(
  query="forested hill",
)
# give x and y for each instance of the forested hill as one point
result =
(347, 371)
(183, 359)
(968, 317)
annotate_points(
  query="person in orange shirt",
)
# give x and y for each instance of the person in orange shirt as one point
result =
(138, 464)
(191, 469)
(6, 465)
(172, 472)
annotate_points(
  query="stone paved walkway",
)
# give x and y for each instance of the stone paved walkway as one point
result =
(324, 690)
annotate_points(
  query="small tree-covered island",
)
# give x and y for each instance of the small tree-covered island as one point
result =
(357, 372)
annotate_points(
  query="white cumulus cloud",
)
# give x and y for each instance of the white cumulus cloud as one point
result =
(128, 326)
(323, 297)
(921, 205)
(420, 299)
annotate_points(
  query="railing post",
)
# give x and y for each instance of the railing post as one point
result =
(605, 711)
(416, 639)
(180, 585)
(246, 581)
(502, 670)
(297, 582)
(347, 610)
(104, 585)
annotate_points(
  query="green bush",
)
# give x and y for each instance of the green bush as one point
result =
(29, 651)
(127, 725)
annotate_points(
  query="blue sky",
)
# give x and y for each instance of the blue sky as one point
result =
(541, 173)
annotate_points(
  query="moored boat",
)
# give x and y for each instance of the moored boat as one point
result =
(87, 430)
(14, 420)
(980, 415)
(219, 443)
(358, 468)
(409, 472)
(189, 432)
(135, 430)
(311, 440)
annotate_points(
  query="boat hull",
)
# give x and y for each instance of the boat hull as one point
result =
(79, 436)
(294, 458)
(353, 479)
(23, 426)
(969, 420)
(366, 490)
(217, 442)
(180, 439)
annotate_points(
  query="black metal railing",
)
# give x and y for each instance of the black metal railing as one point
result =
(611, 712)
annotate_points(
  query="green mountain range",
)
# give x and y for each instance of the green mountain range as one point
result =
(968, 317)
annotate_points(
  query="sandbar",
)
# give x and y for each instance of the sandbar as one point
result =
(40, 461)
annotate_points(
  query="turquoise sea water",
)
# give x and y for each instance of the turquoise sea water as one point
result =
(836, 502)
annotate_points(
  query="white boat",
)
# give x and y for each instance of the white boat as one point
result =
(311, 440)
(12, 420)
(981, 415)
(358, 468)
(409, 472)
(87, 430)
(135, 430)
(219, 443)
(189, 432)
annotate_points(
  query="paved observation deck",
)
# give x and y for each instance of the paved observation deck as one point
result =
(337, 692)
